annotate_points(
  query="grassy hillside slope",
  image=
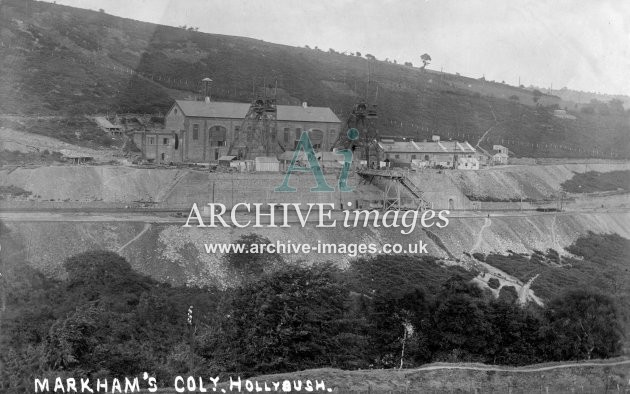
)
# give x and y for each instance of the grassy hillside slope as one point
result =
(592, 377)
(58, 59)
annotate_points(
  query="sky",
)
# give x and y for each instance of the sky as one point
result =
(579, 44)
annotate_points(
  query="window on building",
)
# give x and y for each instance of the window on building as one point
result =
(298, 134)
(396, 156)
(175, 111)
(217, 135)
(413, 157)
(150, 140)
(426, 157)
(317, 138)
(195, 132)
(287, 132)
(164, 141)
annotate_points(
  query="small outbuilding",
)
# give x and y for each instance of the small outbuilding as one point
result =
(467, 163)
(107, 126)
(499, 157)
(226, 161)
(266, 164)
(76, 157)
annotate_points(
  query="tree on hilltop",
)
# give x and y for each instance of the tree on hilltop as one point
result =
(537, 95)
(426, 60)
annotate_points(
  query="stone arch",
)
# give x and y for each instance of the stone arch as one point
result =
(217, 133)
(317, 138)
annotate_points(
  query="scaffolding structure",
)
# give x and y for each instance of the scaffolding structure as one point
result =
(362, 118)
(399, 191)
(257, 133)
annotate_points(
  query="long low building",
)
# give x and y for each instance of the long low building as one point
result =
(202, 131)
(448, 154)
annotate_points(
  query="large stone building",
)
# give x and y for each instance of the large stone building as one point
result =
(202, 131)
(447, 154)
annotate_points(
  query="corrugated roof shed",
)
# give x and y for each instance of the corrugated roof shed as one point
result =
(427, 147)
(398, 146)
(104, 123)
(223, 109)
(265, 159)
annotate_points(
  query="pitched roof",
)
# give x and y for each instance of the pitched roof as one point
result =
(224, 109)
(427, 147)
(265, 159)
(103, 122)
(308, 114)
(397, 146)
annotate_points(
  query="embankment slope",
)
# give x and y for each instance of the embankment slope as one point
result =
(182, 187)
(174, 254)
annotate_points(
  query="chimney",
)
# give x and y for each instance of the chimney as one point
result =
(206, 89)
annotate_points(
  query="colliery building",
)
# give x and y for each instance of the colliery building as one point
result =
(204, 131)
(436, 153)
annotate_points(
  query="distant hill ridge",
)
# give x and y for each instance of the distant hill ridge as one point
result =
(62, 60)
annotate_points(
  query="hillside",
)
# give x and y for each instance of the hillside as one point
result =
(589, 377)
(431, 296)
(64, 60)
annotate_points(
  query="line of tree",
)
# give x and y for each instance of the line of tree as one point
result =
(106, 320)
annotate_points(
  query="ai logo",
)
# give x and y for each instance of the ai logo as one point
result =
(322, 186)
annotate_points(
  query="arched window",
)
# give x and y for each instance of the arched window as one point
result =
(317, 138)
(217, 135)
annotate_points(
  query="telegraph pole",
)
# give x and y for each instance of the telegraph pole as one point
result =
(191, 333)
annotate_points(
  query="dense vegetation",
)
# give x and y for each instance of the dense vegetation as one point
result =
(593, 181)
(64, 60)
(106, 320)
(598, 263)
